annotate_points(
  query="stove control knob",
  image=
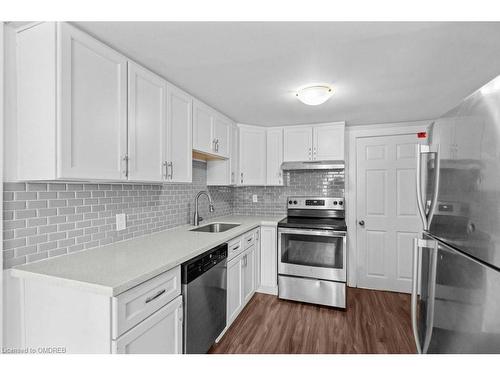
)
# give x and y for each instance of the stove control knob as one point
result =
(334, 203)
(341, 203)
(289, 202)
(294, 202)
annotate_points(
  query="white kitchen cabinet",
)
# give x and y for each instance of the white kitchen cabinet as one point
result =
(274, 153)
(72, 105)
(161, 333)
(268, 260)
(235, 155)
(144, 319)
(248, 273)
(223, 172)
(202, 128)
(179, 163)
(297, 143)
(234, 288)
(147, 124)
(314, 142)
(221, 136)
(257, 258)
(211, 131)
(252, 152)
(328, 142)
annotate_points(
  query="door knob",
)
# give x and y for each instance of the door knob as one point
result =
(362, 223)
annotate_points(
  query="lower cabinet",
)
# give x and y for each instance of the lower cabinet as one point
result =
(248, 273)
(161, 333)
(241, 281)
(268, 260)
(234, 288)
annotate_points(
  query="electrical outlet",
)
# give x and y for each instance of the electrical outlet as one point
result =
(254, 198)
(121, 222)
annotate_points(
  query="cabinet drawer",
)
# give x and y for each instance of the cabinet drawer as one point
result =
(248, 239)
(136, 304)
(234, 247)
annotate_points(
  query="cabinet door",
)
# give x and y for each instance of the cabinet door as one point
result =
(180, 135)
(146, 124)
(161, 333)
(248, 267)
(234, 288)
(221, 136)
(257, 258)
(252, 156)
(92, 133)
(297, 143)
(274, 156)
(235, 155)
(328, 142)
(268, 259)
(202, 128)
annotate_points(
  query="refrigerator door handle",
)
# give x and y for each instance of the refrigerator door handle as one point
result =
(425, 215)
(417, 245)
(414, 294)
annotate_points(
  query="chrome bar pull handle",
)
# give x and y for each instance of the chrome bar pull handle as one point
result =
(155, 296)
(414, 295)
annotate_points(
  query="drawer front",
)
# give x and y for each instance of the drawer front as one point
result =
(248, 239)
(136, 304)
(234, 247)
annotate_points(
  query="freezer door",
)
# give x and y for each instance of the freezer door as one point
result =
(464, 316)
(467, 211)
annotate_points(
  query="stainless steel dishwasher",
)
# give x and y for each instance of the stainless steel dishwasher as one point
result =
(204, 290)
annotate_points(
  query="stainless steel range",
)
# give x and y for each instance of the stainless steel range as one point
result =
(312, 251)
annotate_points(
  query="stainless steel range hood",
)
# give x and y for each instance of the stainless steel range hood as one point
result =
(311, 165)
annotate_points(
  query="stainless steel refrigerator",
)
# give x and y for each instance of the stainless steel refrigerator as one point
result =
(456, 261)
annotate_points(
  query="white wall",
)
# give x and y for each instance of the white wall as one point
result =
(352, 133)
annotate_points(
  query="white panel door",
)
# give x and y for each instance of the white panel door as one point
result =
(234, 288)
(161, 333)
(147, 124)
(248, 273)
(92, 134)
(387, 217)
(202, 128)
(221, 136)
(179, 135)
(234, 159)
(297, 143)
(274, 156)
(328, 142)
(252, 156)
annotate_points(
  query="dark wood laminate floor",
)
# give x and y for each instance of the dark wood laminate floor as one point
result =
(374, 322)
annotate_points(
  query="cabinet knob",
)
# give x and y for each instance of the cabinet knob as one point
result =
(362, 223)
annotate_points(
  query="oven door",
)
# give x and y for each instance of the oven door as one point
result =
(312, 253)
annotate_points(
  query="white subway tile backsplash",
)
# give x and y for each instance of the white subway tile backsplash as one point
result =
(49, 219)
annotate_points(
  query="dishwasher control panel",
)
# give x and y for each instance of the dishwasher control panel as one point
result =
(202, 263)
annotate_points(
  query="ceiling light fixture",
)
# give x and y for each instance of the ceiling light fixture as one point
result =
(314, 94)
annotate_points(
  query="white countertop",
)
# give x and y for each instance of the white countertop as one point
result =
(115, 268)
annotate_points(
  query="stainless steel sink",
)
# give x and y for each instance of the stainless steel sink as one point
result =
(215, 227)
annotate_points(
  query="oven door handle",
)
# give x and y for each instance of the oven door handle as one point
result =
(313, 232)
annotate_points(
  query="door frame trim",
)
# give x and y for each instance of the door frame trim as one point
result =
(353, 133)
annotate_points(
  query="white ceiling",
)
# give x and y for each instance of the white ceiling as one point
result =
(381, 72)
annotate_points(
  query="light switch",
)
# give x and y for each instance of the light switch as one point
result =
(254, 198)
(121, 222)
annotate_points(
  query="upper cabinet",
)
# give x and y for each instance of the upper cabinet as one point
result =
(211, 131)
(314, 143)
(252, 152)
(179, 163)
(274, 152)
(74, 121)
(297, 143)
(77, 128)
(147, 120)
